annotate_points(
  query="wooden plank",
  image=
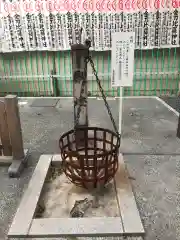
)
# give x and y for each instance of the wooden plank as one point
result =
(76, 227)
(127, 205)
(27, 207)
(14, 124)
(4, 132)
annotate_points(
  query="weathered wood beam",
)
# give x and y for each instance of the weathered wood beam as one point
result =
(4, 132)
(14, 125)
(79, 68)
(19, 155)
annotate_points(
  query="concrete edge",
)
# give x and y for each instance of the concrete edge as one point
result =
(126, 200)
(108, 98)
(167, 106)
(76, 227)
(25, 226)
(26, 210)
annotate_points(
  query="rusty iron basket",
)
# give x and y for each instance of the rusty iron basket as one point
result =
(93, 163)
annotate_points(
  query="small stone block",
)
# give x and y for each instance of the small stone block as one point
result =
(6, 160)
(56, 160)
(18, 166)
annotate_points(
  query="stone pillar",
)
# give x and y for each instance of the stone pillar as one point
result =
(79, 54)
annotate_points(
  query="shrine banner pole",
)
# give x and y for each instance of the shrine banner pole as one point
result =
(120, 109)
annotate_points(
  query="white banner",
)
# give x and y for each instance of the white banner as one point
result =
(53, 31)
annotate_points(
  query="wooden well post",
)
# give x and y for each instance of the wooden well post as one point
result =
(79, 64)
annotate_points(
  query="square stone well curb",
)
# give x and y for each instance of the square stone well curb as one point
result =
(25, 225)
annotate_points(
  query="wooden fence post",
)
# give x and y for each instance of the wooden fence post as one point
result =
(13, 153)
(4, 132)
(19, 155)
(14, 125)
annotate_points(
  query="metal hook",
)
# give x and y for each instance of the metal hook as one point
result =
(87, 41)
(80, 34)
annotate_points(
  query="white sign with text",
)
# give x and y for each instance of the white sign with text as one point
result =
(122, 59)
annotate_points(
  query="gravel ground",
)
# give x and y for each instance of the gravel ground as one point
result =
(149, 143)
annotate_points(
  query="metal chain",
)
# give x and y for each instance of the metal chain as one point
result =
(103, 95)
(89, 59)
